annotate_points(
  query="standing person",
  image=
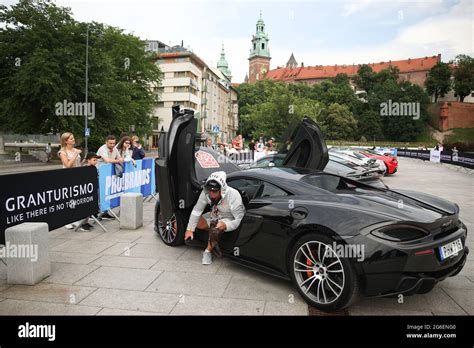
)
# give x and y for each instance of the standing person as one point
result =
(260, 147)
(252, 149)
(124, 148)
(222, 149)
(138, 152)
(237, 142)
(209, 143)
(71, 158)
(47, 150)
(108, 152)
(270, 144)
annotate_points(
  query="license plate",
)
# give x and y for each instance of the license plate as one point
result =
(450, 249)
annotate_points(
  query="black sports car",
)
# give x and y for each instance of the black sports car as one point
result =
(333, 237)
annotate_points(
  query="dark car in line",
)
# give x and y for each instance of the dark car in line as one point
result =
(334, 238)
(334, 166)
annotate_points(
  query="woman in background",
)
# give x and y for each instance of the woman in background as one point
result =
(71, 158)
(125, 150)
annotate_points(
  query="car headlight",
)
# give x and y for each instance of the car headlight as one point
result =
(399, 233)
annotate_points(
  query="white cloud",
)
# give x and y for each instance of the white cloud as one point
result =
(450, 33)
(352, 7)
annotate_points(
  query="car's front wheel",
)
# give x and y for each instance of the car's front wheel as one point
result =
(171, 231)
(324, 278)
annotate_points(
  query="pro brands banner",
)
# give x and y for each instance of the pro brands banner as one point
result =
(450, 157)
(57, 197)
(139, 179)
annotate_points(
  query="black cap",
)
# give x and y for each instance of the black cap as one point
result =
(91, 155)
(213, 185)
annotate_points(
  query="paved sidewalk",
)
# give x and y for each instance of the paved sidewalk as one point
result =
(134, 273)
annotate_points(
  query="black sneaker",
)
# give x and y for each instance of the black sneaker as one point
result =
(88, 225)
(84, 228)
(107, 216)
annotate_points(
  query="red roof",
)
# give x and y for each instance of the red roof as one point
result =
(324, 72)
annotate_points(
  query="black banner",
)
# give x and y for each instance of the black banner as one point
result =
(455, 158)
(57, 197)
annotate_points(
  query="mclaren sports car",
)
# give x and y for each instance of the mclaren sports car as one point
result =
(334, 238)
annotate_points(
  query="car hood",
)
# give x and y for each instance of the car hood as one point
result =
(387, 204)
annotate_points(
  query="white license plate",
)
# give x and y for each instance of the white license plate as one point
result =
(450, 249)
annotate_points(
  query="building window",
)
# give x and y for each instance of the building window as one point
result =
(160, 104)
(155, 123)
(263, 46)
(181, 60)
(254, 46)
(154, 143)
(472, 94)
(181, 89)
(180, 74)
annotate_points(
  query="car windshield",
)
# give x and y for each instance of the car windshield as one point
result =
(326, 182)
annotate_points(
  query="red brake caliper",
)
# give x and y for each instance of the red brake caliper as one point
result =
(309, 273)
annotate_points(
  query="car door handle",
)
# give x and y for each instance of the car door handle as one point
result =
(299, 213)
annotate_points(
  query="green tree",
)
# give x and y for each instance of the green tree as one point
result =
(338, 122)
(369, 123)
(464, 76)
(365, 78)
(42, 59)
(438, 82)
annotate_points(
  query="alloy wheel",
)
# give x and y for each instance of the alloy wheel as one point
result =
(319, 272)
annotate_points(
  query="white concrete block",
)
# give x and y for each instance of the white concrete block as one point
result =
(131, 211)
(27, 251)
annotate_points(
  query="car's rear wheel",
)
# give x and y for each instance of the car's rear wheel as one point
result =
(171, 231)
(325, 279)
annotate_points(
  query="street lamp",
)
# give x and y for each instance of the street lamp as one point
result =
(86, 133)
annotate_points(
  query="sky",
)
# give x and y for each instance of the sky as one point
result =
(317, 32)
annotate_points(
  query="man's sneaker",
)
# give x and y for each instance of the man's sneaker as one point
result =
(84, 228)
(206, 257)
(107, 216)
(217, 251)
(69, 226)
(88, 225)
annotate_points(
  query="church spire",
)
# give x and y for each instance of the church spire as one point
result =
(291, 64)
(223, 66)
(260, 41)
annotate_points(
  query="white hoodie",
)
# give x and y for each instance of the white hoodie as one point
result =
(231, 209)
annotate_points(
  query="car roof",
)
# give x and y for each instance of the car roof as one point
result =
(284, 177)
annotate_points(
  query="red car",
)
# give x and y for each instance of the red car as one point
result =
(390, 161)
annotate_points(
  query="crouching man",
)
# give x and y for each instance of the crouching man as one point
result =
(227, 211)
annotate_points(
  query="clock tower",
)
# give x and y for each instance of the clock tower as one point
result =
(259, 59)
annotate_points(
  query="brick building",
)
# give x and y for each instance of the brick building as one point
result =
(414, 70)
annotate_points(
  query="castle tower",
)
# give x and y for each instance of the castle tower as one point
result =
(223, 66)
(259, 59)
(291, 64)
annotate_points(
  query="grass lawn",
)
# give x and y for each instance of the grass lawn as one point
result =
(462, 135)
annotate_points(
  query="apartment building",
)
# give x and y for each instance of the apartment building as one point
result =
(190, 82)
